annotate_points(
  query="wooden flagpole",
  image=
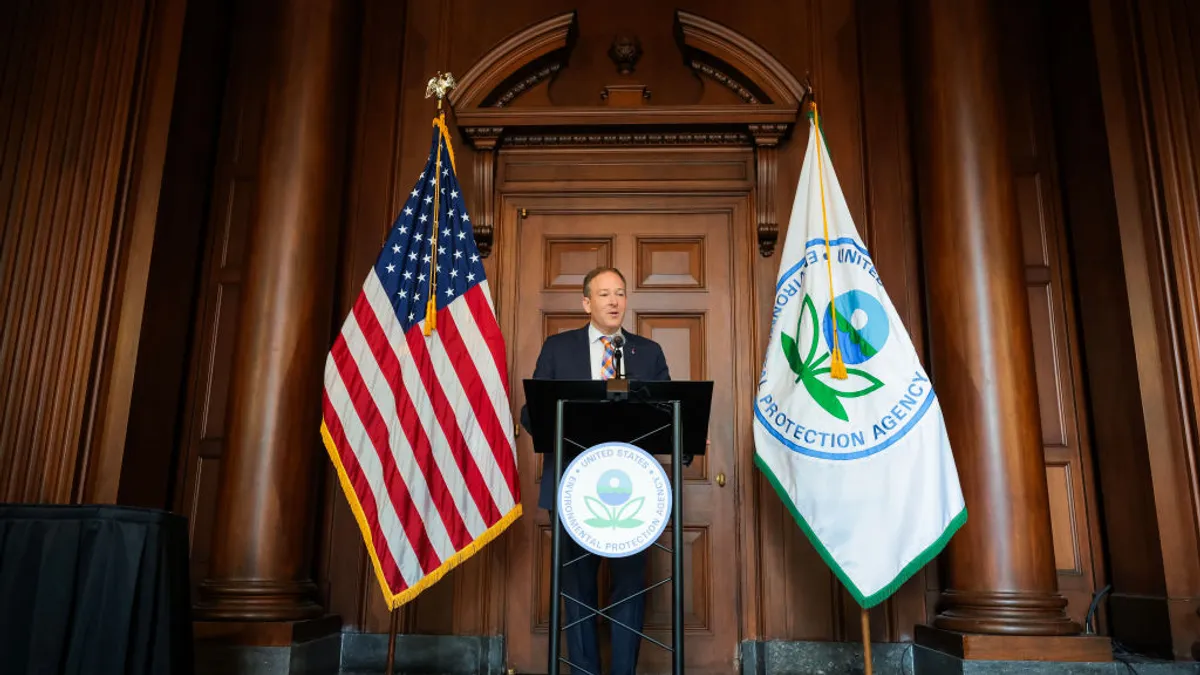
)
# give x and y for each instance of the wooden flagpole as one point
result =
(391, 657)
(866, 634)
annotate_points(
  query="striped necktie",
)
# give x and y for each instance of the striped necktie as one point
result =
(607, 370)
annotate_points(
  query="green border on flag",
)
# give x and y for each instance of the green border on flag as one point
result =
(866, 602)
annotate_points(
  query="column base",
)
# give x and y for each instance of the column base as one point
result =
(257, 601)
(1030, 614)
(977, 647)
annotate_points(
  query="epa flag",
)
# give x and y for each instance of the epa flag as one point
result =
(416, 415)
(847, 427)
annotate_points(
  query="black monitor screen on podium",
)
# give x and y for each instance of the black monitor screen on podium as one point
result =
(592, 418)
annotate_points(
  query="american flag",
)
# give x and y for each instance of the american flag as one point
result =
(416, 415)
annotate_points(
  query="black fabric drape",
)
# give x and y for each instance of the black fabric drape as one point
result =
(93, 590)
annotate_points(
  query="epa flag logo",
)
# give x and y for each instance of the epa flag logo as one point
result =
(882, 397)
(862, 330)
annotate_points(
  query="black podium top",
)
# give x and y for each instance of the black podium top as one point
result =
(591, 416)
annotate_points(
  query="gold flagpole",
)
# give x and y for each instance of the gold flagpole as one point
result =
(391, 657)
(431, 304)
(438, 86)
(866, 632)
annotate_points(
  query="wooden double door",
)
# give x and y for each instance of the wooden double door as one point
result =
(686, 259)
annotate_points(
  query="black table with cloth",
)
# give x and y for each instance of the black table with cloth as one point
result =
(93, 590)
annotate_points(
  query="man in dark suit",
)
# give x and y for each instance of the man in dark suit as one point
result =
(587, 354)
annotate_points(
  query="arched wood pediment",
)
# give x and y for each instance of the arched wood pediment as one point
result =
(770, 95)
(719, 51)
(517, 63)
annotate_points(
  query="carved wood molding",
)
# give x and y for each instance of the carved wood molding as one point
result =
(771, 101)
(766, 153)
(521, 86)
(484, 140)
(678, 117)
(734, 55)
(508, 67)
(721, 78)
(620, 138)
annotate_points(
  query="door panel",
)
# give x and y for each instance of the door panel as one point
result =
(678, 255)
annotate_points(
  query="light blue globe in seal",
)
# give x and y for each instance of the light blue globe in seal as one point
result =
(614, 500)
(868, 328)
(614, 487)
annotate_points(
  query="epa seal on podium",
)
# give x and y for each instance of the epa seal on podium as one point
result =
(614, 500)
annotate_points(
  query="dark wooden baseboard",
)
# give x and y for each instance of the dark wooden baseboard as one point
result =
(265, 633)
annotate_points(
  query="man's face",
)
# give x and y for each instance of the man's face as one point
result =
(605, 302)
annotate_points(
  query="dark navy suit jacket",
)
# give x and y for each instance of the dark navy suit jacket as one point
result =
(566, 356)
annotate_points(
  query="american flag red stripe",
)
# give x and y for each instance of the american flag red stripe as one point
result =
(423, 409)
(416, 413)
(377, 441)
(413, 433)
(480, 306)
(447, 420)
(353, 475)
(485, 414)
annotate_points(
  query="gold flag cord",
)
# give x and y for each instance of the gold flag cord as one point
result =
(837, 366)
(431, 306)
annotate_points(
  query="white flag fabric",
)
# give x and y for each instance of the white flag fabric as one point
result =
(863, 463)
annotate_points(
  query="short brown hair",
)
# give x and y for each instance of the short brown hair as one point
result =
(587, 279)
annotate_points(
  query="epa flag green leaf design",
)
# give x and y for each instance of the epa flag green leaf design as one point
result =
(809, 371)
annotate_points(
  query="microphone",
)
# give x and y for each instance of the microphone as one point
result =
(618, 353)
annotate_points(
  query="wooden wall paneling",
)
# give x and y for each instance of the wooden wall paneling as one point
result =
(790, 573)
(85, 101)
(1146, 75)
(348, 584)
(1071, 485)
(216, 316)
(1117, 426)
(454, 603)
(889, 230)
(1169, 33)
(152, 445)
(108, 470)
(31, 102)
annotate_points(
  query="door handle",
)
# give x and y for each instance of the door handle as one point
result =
(721, 479)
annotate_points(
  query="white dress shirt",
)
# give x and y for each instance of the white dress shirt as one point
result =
(596, 349)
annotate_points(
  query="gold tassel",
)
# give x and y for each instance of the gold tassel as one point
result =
(837, 367)
(431, 317)
(431, 305)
